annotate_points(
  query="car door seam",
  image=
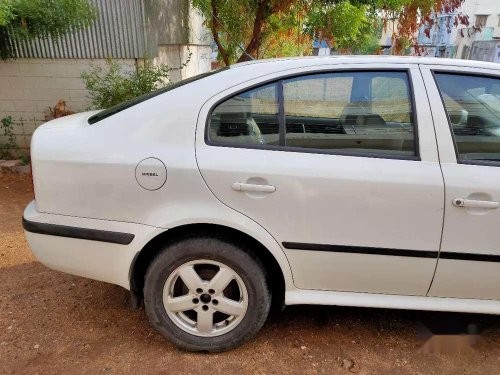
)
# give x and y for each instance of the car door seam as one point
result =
(220, 201)
(442, 176)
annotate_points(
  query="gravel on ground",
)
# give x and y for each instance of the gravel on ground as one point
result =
(51, 322)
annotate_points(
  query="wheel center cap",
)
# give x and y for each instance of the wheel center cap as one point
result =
(205, 298)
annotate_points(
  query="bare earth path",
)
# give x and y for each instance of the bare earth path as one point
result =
(51, 322)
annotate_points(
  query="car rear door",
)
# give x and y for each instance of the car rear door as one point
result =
(329, 162)
(466, 110)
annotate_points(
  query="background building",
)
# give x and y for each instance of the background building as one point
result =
(479, 41)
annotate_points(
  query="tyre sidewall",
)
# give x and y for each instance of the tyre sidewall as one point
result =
(249, 270)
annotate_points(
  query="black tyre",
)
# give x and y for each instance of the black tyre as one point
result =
(206, 294)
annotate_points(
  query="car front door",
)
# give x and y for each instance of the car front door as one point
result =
(466, 110)
(329, 162)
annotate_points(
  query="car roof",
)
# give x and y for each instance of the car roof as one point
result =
(360, 59)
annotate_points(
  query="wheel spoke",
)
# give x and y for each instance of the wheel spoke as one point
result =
(221, 280)
(182, 303)
(205, 321)
(205, 298)
(230, 307)
(190, 278)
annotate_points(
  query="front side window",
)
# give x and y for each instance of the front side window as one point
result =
(360, 113)
(473, 107)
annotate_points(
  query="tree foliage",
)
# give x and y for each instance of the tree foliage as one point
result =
(27, 19)
(415, 13)
(244, 29)
(240, 24)
(344, 24)
(284, 35)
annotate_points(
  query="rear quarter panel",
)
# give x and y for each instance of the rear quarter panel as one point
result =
(88, 171)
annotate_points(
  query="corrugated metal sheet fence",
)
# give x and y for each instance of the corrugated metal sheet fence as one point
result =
(118, 32)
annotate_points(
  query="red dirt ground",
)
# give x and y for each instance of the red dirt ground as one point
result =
(51, 322)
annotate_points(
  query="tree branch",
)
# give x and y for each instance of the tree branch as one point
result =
(215, 34)
(255, 42)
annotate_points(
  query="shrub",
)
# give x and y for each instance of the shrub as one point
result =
(108, 85)
(9, 148)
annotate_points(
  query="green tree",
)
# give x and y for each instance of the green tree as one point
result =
(245, 29)
(345, 24)
(27, 19)
(238, 25)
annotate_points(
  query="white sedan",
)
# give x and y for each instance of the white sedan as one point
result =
(355, 181)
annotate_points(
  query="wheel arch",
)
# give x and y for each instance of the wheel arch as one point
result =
(278, 276)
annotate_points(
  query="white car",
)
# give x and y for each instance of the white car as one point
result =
(355, 181)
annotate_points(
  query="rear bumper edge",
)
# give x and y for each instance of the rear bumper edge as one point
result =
(79, 233)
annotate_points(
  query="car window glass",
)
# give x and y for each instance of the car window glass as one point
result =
(473, 107)
(386, 99)
(350, 112)
(334, 90)
(248, 118)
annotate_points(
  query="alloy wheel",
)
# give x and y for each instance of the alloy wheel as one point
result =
(205, 298)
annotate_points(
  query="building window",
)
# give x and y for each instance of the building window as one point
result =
(465, 53)
(481, 20)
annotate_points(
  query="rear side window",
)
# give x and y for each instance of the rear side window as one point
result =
(354, 113)
(249, 118)
(472, 103)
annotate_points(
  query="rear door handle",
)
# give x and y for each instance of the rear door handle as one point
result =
(468, 203)
(239, 186)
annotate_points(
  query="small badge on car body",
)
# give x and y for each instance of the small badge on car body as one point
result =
(151, 174)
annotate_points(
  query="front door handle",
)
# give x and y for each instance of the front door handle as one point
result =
(240, 186)
(469, 203)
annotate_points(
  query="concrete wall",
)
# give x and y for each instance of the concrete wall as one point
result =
(198, 58)
(183, 40)
(28, 87)
(488, 7)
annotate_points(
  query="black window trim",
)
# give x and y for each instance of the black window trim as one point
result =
(459, 160)
(281, 117)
